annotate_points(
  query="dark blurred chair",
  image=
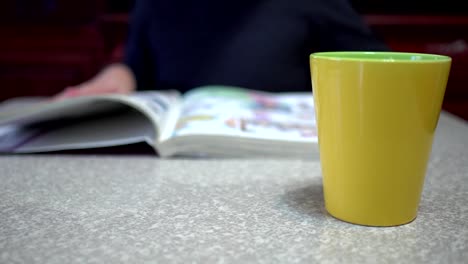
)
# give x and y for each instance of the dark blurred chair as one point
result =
(48, 44)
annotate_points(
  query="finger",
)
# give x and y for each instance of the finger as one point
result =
(67, 93)
(78, 90)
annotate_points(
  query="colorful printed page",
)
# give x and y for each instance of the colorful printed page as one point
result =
(231, 111)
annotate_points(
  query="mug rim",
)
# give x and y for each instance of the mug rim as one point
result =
(381, 56)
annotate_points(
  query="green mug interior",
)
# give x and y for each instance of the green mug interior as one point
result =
(380, 56)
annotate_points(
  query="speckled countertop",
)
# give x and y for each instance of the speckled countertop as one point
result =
(140, 209)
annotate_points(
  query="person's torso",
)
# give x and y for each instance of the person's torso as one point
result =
(253, 44)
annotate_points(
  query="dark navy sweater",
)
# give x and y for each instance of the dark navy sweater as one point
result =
(257, 44)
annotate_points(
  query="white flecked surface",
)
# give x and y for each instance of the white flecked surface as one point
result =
(101, 209)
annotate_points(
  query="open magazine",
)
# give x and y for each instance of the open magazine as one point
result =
(211, 121)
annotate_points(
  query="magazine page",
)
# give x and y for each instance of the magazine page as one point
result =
(91, 122)
(26, 110)
(106, 130)
(237, 112)
(159, 106)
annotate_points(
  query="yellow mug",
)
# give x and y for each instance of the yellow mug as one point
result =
(376, 115)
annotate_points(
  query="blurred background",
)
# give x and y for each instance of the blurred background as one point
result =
(47, 45)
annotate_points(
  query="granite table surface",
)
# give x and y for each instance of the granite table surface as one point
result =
(141, 209)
